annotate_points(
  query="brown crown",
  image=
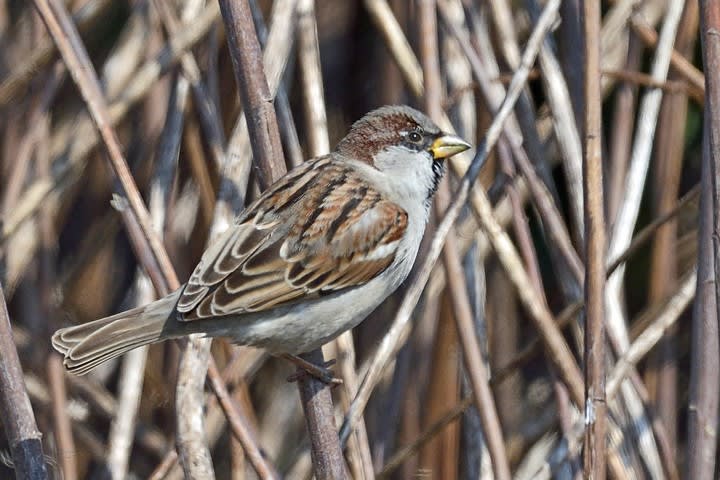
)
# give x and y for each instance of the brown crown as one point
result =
(380, 129)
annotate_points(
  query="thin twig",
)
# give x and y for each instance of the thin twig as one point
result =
(437, 426)
(239, 426)
(645, 80)
(621, 137)
(686, 203)
(594, 355)
(122, 428)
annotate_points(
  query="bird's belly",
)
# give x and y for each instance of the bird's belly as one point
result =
(305, 326)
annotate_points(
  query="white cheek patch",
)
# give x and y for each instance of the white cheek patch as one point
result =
(396, 157)
(408, 168)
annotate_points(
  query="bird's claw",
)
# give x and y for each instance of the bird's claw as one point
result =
(322, 373)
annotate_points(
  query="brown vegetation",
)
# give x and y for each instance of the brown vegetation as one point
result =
(132, 133)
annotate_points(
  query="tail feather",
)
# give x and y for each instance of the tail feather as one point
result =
(90, 344)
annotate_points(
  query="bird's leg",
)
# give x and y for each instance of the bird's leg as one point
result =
(322, 373)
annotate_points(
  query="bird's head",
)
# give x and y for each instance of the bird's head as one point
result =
(404, 144)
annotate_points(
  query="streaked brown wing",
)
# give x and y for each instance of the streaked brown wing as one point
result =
(278, 252)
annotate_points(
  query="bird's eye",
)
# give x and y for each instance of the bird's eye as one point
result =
(415, 137)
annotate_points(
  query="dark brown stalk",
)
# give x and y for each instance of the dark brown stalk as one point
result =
(326, 453)
(441, 454)
(254, 91)
(662, 372)
(18, 418)
(267, 153)
(594, 354)
(704, 366)
(704, 350)
(291, 143)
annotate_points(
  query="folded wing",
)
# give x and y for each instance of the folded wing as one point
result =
(320, 229)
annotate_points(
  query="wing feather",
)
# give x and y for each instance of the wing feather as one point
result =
(276, 254)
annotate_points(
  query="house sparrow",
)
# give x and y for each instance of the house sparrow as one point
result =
(310, 259)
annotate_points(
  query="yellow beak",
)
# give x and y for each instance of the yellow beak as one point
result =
(448, 145)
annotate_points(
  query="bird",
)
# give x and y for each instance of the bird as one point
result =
(313, 256)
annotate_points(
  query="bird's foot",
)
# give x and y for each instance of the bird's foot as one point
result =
(305, 368)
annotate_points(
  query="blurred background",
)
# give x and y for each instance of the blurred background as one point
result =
(67, 259)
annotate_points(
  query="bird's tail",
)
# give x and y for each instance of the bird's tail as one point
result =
(88, 345)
